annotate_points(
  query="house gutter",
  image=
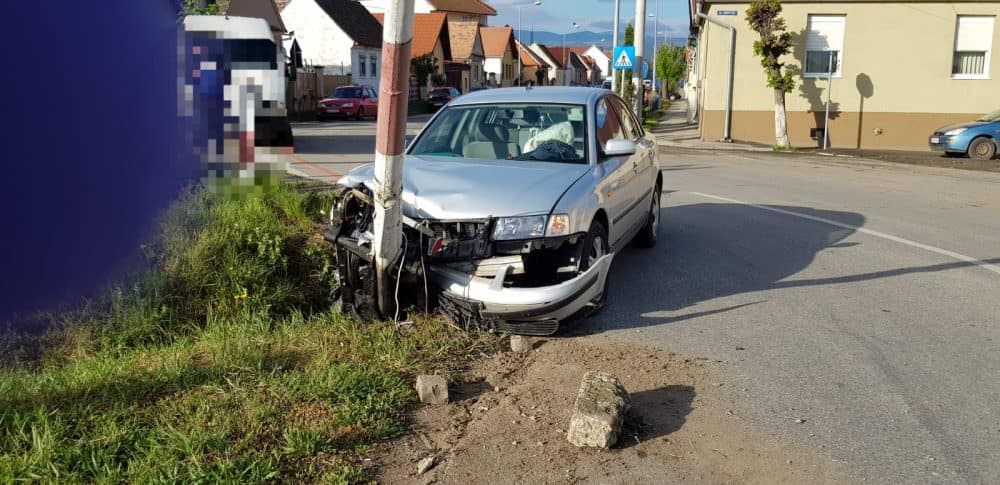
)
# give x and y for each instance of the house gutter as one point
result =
(732, 64)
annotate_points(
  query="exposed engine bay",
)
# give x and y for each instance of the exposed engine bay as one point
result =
(455, 267)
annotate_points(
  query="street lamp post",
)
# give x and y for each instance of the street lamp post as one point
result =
(566, 56)
(520, 38)
(614, 42)
(656, 43)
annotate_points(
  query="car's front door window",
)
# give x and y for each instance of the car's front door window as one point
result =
(608, 125)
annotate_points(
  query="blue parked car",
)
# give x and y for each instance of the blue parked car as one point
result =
(979, 139)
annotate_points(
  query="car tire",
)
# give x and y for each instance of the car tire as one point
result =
(647, 236)
(982, 149)
(595, 246)
(359, 114)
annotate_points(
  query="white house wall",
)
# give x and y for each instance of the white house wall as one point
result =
(367, 79)
(321, 40)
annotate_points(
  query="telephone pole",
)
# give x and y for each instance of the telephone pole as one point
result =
(614, 43)
(397, 42)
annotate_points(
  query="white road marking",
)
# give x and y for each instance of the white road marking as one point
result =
(944, 252)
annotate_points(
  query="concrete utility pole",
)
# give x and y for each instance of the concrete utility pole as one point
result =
(397, 42)
(640, 41)
(614, 43)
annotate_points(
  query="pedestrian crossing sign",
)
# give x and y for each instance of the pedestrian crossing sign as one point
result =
(624, 57)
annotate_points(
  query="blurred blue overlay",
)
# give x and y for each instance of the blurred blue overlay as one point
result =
(94, 149)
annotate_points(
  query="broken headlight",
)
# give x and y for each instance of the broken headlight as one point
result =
(527, 227)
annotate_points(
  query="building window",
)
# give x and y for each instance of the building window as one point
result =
(374, 65)
(362, 62)
(824, 45)
(973, 42)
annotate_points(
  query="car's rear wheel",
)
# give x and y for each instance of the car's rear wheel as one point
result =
(982, 149)
(647, 236)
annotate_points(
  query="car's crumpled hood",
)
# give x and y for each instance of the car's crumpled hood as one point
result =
(968, 124)
(452, 188)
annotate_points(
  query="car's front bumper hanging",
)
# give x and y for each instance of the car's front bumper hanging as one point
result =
(535, 310)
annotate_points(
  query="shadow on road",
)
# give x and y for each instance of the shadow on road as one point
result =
(708, 251)
(656, 413)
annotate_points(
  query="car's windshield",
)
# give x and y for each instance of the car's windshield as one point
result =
(994, 116)
(537, 132)
(346, 93)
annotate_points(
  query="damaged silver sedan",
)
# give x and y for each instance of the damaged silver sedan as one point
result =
(515, 202)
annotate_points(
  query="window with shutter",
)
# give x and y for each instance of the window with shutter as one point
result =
(824, 45)
(973, 43)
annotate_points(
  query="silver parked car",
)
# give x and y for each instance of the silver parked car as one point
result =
(519, 198)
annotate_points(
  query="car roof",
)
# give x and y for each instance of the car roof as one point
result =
(536, 94)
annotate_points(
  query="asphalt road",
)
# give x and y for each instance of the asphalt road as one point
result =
(325, 150)
(854, 307)
(863, 299)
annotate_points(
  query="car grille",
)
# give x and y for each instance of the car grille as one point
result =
(458, 240)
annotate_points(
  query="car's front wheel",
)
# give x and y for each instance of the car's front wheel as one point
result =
(982, 149)
(595, 246)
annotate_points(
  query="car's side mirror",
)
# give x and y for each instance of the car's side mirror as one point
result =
(618, 148)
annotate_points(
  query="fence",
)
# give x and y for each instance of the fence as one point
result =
(310, 86)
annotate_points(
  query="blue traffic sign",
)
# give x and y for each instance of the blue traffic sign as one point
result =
(624, 57)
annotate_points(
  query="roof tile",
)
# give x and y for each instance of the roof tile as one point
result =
(496, 40)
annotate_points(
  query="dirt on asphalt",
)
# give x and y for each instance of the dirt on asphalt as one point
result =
(926, 159)
(508, 416)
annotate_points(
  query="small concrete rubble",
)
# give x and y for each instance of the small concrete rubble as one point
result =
(599, 411)
(432, 389)
(423, 466)
(521, 344)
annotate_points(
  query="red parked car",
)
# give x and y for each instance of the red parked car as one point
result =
(348, 102)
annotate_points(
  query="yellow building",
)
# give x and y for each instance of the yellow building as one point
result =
(900, 70)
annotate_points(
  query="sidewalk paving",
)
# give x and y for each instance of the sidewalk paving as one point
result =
(673, 130)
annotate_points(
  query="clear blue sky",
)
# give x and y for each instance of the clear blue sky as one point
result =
(594, 15)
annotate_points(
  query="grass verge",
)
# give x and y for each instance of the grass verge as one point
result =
(219, 363)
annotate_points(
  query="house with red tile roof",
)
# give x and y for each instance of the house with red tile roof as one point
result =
(533, 69)
(500, 49)
(467, 48)
(431, 38)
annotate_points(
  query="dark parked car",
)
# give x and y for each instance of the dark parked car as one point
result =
(442, 96)
(348, 101)
(978, 139)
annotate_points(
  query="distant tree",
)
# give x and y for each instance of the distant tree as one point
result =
(200, 7)
(423, 68)
(671, 65)
(764, 17)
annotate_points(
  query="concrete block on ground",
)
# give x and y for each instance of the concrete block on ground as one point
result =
(432, 389)
(599, 411)
(521, 344)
